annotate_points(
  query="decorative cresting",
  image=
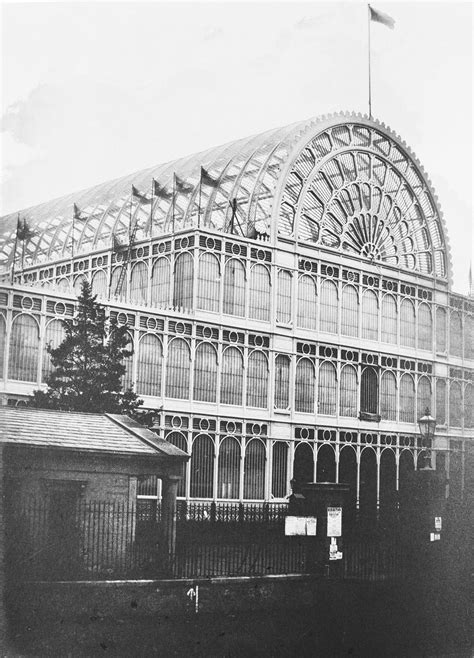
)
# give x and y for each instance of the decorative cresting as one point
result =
(354, 188)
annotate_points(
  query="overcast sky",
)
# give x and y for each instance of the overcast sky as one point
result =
(91, 91)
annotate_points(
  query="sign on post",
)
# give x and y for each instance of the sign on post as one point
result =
(334, 521)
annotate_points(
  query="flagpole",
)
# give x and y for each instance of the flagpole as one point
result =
(174, 200)
(370, 86)
(15, 248)
(199, 203)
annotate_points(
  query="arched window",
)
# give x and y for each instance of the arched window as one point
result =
(128, 363)
(228, 468)
(423, 397)
(304, 386)
(3, 342)
(327, 388)
(407, 399)
(64, 286)
(388, 481)
(284, 296)
(234, 288)
(389, 319)
(326, 464)
(469, 406)
(425, 328)
(369, 391)
(441, 329)
(24, 349)
(279, 469)
(303, 465)
(123, 292)
(139, 283)
(407, 324)
(441, 401)
(348, 391)
(160, 282)
(370, 315)
(455, 404)
(388, 396)
(183, 281)
(78, 284)
(99, 284)
(179, 440)
(177, 369)
(53, 337)
(455, 334)
(282, 382)
(232, 376)
(328, 307)
(208, 287)
(349, 312)
(254, 470)
(205, 373)
(468, 337)
(307, 300)
(149, 365)
(257, 380)
(202, 467)
(259, 302)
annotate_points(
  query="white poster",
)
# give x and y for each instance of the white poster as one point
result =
(300, 525)
(334, 522)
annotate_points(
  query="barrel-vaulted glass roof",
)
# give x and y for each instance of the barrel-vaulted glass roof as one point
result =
(318, 181)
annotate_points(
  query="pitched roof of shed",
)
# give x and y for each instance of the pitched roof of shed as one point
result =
(109, 433)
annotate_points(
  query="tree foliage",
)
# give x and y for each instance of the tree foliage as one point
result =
(88, 366)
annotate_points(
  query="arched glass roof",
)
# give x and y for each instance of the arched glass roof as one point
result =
(343, 182)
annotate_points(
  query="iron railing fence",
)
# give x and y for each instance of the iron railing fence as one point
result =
(112, 540)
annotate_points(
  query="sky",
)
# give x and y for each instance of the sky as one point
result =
(92, 91)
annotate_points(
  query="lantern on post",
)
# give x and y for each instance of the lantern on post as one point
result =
(427, 425)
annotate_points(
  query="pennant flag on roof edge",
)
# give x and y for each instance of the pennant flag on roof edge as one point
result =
(141, 197)
(182, 186)
(117, 246)
(161, 191)
(207, 179)
(23, 230)
(78, 213)
(380, 17)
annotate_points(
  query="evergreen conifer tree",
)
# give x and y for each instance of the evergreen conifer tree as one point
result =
(88, 365)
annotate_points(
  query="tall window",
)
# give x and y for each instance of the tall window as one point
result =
(441, 401)
(234, 288)
(469, 406)
(284, 296)
(177, 369)
(468, 337)
(149, 365)
(307, 300)
(81, 278)
(209, 274)
(259, 288)
(183, 281)
(202, 467)
(304, 386)
(328, 307)
(99, 284)
(279, 469)
(303, 465)
(349, 312)
(455, 334)
(128, 363)
(407, 399)
(257, 380)
(388, 396)
(348, 391)
(54, 336)
(407, 324)
(370, 315)
(425, 328)
(232, 376)
(389, 319)
(254, 470)
(3, 342)
(123, 292)
(455, 404)
(369, 391)
(228, 468)
(423, 397)
(24, 349)
(205, 373)
(282, 381)
(139, 283)
(179, 440)
(160, 282)
(327, 389)
(441, 329)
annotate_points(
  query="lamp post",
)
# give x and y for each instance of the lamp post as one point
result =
(427, 425)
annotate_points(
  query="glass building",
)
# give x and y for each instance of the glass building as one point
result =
(289, 306)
